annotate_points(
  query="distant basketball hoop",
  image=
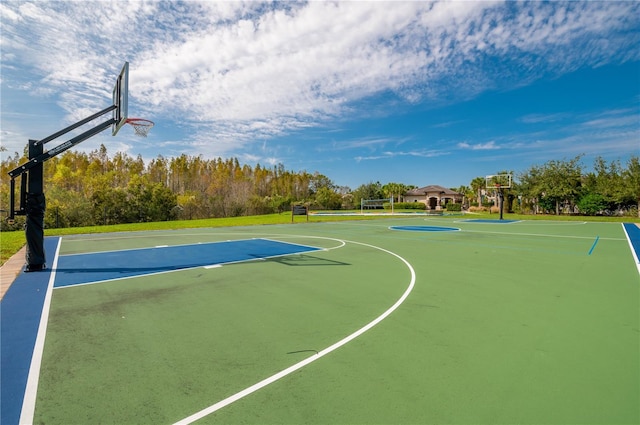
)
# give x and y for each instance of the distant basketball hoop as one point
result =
(497, 183)
(140, 126)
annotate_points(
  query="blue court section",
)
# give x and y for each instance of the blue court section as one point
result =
(633, 232)
(20, 312)
(425, 228)
(95, 267)
(481, 220)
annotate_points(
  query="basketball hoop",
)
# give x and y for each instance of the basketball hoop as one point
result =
(140, 126)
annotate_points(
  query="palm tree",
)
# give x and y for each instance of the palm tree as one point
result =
(466, 192)
(477, 185)
(394, 189)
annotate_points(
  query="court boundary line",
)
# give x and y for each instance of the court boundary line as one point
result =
(162, 246)
(505, 233)
(425, 229)
(293, 243)
(487, 221)
(631, 247)
(284, 236)
(541, 222)
(263, 383)
(28, 410)
(543, 235)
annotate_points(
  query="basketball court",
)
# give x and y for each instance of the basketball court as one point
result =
(398, 320)
(386, 321)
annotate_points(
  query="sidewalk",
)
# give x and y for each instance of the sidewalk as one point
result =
(11, 269)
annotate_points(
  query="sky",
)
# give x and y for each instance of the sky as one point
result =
(411, 92)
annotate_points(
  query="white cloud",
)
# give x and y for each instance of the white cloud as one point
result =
(419, 153)
(479, 146)
(617, 122)
(542, 118)
(372, 143)
(237, 72)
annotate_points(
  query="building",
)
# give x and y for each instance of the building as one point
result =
(433, 196)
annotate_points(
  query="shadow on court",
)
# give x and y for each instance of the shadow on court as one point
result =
(306, 260)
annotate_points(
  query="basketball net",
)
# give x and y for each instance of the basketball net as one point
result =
(141, 127)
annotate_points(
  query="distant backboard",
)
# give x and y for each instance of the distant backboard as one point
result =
(121, 99)
(498, 181)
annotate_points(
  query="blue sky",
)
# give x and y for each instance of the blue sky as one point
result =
(410, 92)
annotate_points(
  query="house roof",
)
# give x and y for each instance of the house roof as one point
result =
(434, 188)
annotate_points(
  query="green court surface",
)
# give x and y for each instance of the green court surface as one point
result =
(531, 322)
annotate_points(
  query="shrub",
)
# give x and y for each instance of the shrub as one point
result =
(17, 224)
(454, 207)
(477, 209)
(592, 204)
(406, 206)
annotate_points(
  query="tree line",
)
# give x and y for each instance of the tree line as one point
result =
(86, 189)
(564, 187)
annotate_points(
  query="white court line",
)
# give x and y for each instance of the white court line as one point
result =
(154, 247)
(633, 251)
(342, 243)
(541, 235)
(227, 401)
(115, 279)
(505, 233)
(315, 248)
(487, 221)
(541, 222)
(29, 401)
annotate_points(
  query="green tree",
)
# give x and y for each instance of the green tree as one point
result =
(468, 194)
(395, 190)
(109, 205)
(67, 208)
(631, 178)
(592, 204)
(149, 201)
(163, 203)
(328, 199)
(369, 190)
(530, 189)
(318, 181)
(609, 182)
(555, 182)
(477, 185)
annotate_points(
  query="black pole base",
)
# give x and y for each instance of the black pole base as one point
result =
(34, 231)
(34, 268)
